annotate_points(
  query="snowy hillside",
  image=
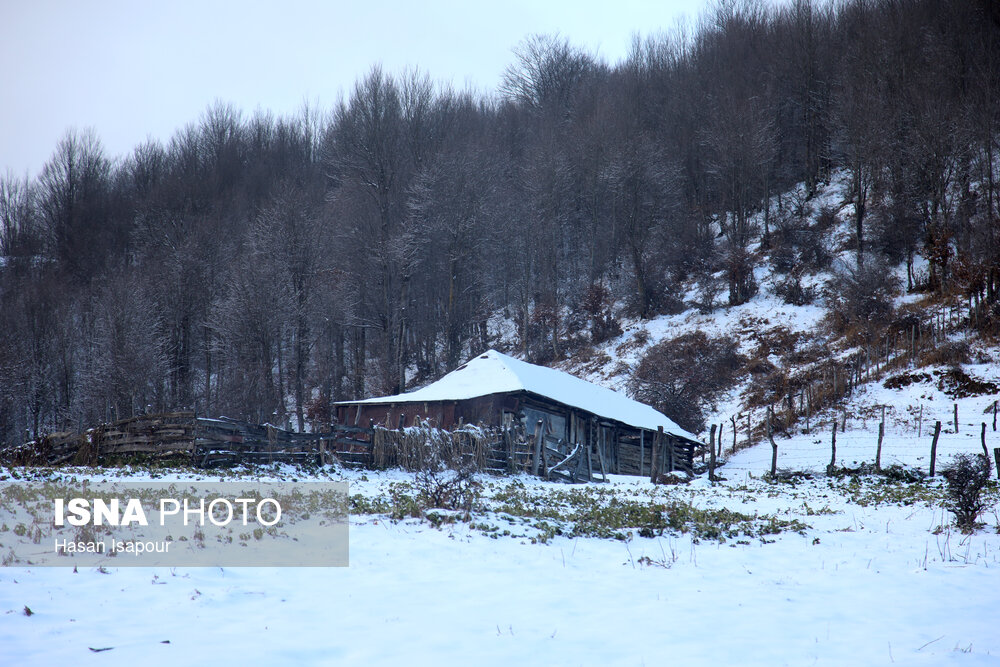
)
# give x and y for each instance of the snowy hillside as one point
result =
(914, 391)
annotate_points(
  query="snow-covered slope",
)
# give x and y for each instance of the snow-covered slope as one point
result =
(910, 409)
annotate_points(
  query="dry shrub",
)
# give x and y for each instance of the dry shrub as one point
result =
(988, 320)
(783, 255)
(319, 410)
(759, 367)
(798, 245)
(771, 389)
(814, 255)
(826, 218)
(948, 353)
(904, 323)
(739, 270)
(708, 293)
(793, 292)
(597, 305)
(967, 476)
(664, 299)
(544, 329)
(859, 298)
(444, 485)
(682, 376)
(779, 340)
(810, 354)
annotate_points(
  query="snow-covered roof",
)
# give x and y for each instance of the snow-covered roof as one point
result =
(495, 373)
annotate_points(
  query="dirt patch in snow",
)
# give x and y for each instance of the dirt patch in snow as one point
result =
(956, 383)
(906, 379)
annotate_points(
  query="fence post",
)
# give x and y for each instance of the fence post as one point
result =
(656, 447)
(711, 453)
(671, 454)
(808, 391)
(194, 439)
(545, 458)
(937, 432)
(956, 417)
(732, 419)
(878, 452)
(982, 437)
(774, 445)
(833, 449)
(996, 458)
(590, 463)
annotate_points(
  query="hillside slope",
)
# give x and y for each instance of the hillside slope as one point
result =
(923, 362)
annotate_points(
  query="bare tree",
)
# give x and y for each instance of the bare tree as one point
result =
(72, 200)
(18, 228)
(859, 114)
(546, 74)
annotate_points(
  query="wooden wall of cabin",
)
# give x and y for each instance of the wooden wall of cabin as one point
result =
(635, 451)
(487, 410)
(625, 451)
(608, 445)
(389, 415)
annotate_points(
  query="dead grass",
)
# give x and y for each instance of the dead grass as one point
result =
(946, 354)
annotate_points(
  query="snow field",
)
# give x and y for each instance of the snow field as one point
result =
(868, 584)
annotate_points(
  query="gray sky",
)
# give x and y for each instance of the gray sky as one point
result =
(137, 68)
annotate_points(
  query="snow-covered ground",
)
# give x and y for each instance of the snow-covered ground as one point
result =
(877, 578)
(910, 411)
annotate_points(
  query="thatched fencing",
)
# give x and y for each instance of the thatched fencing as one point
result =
(206, 442)
(176, 436)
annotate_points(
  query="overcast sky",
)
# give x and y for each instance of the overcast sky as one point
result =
(137, 68)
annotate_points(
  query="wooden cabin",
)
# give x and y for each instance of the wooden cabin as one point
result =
(497, 390)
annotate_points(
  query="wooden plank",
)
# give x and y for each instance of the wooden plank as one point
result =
(567, 460)
(642, 451)
(657, 439)
(538, 448)
(600, 457)
(142, 449)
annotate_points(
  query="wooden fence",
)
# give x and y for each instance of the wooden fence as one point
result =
(796, 399)
(204, 443)
(168, 436)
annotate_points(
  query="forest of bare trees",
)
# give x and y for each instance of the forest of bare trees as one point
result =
(263, 267)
